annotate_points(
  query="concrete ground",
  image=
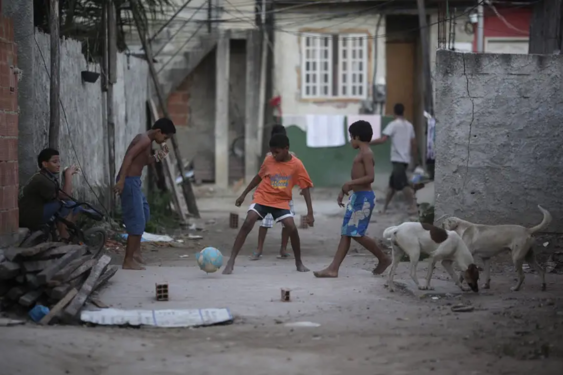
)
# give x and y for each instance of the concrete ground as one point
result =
(363, 329)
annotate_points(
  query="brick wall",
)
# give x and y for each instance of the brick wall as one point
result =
(178, 103)
(8, 134)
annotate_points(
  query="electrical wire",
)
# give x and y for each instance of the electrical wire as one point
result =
(501, 17)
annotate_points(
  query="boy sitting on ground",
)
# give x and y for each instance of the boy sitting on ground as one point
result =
(360, 205)
(268, 221)
(41, 198)
(279, 173)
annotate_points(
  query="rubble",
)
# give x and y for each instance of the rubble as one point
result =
(53, 274)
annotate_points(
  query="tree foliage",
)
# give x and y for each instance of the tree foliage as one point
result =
(82, 19)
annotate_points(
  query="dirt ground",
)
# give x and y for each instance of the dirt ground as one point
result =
(367, 330)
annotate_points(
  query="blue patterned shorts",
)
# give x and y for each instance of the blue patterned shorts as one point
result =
(358, 213)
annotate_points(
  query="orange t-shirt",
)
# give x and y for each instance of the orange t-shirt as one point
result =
(278, 179)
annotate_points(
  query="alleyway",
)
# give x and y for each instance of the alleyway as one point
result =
(363, 328)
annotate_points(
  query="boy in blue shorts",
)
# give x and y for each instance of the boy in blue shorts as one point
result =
(134, 205)
(360, 205)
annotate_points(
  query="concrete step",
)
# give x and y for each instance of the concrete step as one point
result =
(184, 63)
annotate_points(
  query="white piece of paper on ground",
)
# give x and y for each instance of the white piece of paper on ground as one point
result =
(158, 318)
(149, 237)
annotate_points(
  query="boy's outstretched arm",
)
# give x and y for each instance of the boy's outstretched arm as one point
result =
(380, 140)
(139, 147)
(307, 195)
(251, 186)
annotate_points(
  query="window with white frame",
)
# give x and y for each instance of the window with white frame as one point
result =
(334, 66)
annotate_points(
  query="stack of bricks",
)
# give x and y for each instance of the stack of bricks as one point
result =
(8, 134)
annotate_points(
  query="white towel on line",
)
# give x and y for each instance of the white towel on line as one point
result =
(325, 131)
(374, 120)
(295, 120)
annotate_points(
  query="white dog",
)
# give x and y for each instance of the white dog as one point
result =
(486, 241)
(446, 246)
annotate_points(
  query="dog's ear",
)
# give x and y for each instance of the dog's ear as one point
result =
(452, 223)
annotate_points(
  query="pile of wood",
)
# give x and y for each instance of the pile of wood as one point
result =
(59, 276)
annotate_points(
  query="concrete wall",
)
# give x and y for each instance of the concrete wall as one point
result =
(8, 134)
(83, 132)
(287, 51)
(499, 137)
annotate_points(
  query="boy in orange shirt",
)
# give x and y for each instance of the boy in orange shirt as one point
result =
(280, 171)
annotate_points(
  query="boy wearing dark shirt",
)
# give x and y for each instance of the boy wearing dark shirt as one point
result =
(41, 198)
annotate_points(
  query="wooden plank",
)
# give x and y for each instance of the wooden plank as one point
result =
(169, 175)
(83, 268)
(60, 291)
(17, 253)
(59, 306)
(9, 270)
(30, 298)
(55, 252)
(16, 292)
(110, 271)
(36, 265)
(64, 274)
(59, 264)
(78, 301)
(98, 303)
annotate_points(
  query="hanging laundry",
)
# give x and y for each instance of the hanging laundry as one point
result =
(374, 120)
(295, 120)
(325, 131)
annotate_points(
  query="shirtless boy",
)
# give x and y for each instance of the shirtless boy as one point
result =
(134, 205)
(360, 205)
(280, 171)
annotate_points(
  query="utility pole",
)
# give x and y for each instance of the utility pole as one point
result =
(54, 114)
(426, 77)
(427, 73)
(480, 28)
(262, 95)
(186, 184)
(546, 27)
(110, 60)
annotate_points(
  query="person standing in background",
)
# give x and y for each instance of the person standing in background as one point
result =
(403, 147)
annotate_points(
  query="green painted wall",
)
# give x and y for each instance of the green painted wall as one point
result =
(331, 166)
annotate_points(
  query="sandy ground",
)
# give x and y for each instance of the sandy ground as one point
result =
(363, 327)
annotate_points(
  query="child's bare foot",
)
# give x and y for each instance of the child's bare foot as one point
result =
(139, 259)
(326, 273)
(382, 266)
(132, 265)
(228, 269)
(302, 268)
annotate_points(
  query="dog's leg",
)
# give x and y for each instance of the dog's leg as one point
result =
(518, 263)
(431, 267)
(414, 257)
(487, 273)
(448, 266)
(533, 262)
(397, 254)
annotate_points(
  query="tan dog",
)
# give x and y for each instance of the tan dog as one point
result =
(486, 241)
(413, 238)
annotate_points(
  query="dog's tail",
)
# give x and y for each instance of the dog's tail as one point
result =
(389, 233)
(544, 223)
